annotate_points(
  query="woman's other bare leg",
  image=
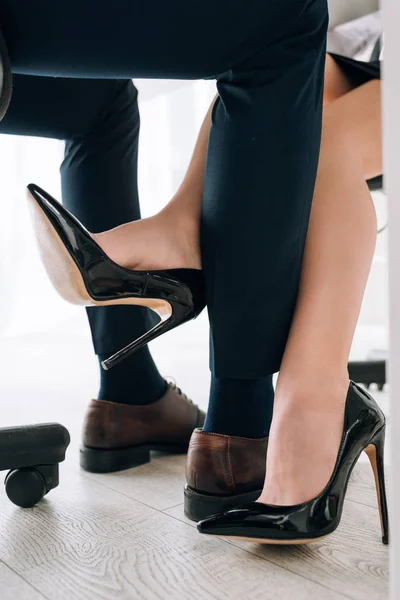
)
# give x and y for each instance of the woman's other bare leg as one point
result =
(311, 391)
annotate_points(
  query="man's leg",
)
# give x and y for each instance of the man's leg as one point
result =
(99, 185)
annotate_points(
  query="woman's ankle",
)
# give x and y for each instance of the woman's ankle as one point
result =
(180, 211)
(184, 226)
(168, 240)
(318, 390)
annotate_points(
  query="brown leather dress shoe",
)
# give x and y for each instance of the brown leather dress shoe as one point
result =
(121, 436)
(222, 471)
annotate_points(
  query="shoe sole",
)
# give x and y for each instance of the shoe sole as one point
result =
(199, 506)
(272, 542)
(111, 461)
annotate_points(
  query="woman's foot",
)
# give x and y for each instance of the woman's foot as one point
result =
(168, 240)
(303, 446)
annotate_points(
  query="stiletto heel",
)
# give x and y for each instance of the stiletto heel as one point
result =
(83, 274)
(364, 429)
(375, 452)
(174, 317)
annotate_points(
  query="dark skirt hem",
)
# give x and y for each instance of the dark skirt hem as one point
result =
(357, 71)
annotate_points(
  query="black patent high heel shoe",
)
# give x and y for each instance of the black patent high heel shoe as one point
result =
(83, 274)
(364, 430)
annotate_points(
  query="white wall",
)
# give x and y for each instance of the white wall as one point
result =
(391, 115)
(341, 11)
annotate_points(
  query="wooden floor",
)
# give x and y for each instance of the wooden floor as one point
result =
(124, 536)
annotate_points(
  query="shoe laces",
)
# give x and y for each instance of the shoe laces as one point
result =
(172, 383)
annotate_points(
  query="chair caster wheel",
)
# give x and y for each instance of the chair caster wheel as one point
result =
(31, 454)
(25, 487)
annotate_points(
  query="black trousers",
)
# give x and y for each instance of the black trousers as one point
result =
(268, 59)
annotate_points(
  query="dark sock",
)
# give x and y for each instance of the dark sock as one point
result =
(240, 407)
(135, 380)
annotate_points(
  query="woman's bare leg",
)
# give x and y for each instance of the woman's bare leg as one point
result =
(313, 381)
